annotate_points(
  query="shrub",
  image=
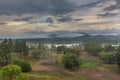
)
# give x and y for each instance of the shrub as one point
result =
(76, 50)
(118, 58)
(10, 72)
(61, 49)
(108, 57)
(70, 61)
(22, 77)
(25, 65)
(36, 54)
(93, 49)
(109, 48)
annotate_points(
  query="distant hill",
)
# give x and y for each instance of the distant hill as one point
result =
(84, 38)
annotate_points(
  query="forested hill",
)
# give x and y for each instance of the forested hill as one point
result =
(85, 38)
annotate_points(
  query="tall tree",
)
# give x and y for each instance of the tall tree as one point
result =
(17, 48)
(21, 48)
(25, 49)
(6, 49)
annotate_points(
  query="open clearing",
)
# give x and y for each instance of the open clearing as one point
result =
(44, 70)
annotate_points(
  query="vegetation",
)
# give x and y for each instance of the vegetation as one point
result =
(18, 54)
(10, 72)
(70, 61)
(118, 56)
(36, 54)
(93, 49)
(91, 64)
(108, 57)
(109, 48)
(59, 75)
(21, 48)
(61, 49)
(76, 50)
(25, 65)
(5, 52)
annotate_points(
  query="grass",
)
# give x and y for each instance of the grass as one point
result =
(113, 68)
(91, 64)
(56, 75)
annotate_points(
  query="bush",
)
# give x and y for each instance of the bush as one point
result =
(25, 65)
(76, 50)
(36, 54)
(93, 49)
(70, 61)
(61, 49)
(108, 57)
(22, 77)
(118, 58)
(109, 48)
(10, 72)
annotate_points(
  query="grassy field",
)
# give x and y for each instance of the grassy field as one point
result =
(91, 64)
(91, 68)
(55, 75)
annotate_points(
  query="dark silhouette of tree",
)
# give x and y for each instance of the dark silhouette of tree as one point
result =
(5, 50)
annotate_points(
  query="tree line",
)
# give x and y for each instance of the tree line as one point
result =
(8, 46)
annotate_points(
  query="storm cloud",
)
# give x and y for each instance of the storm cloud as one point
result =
(65, 19)
(20, 7)
(113, 7)
(24, 17)
(107, 14)
(2, 23)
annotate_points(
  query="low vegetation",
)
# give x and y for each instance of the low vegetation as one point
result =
(93, 49)
(70, 61)
(25, 65)
(16, 59)
(108, 57)
(36, 54)
(90, 64)
(10, 72)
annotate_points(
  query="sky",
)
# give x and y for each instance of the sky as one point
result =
(20, 18)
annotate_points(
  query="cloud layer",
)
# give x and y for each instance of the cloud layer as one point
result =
(18, 17)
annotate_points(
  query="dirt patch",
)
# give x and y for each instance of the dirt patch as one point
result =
(98, 74)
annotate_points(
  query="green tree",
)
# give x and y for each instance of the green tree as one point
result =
(108, 57)
(76, 50)
(118, 56)
(21, 48)
(36, 54)
(5, 50)
(25, 65)
(53, 47)
(18, 47)
(70, 61)
(93, 49)
(109, 48)
(25, 49)
(10, 72)
(61, 49)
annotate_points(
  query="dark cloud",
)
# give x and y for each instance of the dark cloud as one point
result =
(97, 23)
(50, 20)
(2, 23)
(19, 7)
(79, 19)
(107, 14)
(113, 7)
(93, 4)
(65, 19)
(24, 19)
